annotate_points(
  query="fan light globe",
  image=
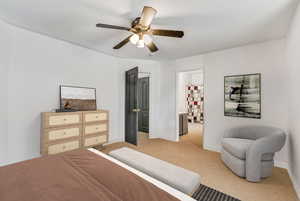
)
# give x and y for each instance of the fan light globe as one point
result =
(140, 44)
(147, 39)
(134, 39)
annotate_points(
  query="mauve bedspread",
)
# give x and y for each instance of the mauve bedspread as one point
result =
(75, 176)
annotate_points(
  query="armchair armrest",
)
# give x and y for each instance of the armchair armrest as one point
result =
(268, 144)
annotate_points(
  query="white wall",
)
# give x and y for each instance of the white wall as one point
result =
(265, 58)
(5, 41)
(293, 67)
(196, 78)
(30, 85)
(40, 64)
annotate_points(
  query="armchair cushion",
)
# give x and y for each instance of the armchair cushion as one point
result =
(238, 148)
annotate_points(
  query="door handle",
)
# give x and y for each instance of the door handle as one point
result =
(136, 110)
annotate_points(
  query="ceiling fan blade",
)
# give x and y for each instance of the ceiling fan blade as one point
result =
(148, 14)
(108, 26)
(152, 47)
(122, 43)
(169, 33)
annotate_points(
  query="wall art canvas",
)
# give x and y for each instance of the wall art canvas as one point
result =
(242, 96)
(77, 98)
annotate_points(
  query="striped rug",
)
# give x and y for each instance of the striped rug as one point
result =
(205, 193)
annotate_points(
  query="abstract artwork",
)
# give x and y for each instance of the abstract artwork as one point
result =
(242, 96)
(77, 98)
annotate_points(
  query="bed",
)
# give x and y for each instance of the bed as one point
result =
(82, 175)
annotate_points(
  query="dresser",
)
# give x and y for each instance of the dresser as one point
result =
(68, 131)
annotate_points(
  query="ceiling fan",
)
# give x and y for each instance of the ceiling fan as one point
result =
(141, 31)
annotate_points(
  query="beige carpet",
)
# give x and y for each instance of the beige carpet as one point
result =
(195, 134)
(213, 173)
(143, 138)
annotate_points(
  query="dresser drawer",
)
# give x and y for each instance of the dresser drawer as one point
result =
(95, 116)
(93, 141)
(63, 147)
(62, 133)
(61, 119)
(95, 128)
(64, 120)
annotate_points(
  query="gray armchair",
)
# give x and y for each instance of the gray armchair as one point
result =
(249, 151)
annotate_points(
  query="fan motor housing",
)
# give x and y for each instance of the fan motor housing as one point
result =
(135, 22)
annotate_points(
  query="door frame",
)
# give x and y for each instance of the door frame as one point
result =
(177, 100)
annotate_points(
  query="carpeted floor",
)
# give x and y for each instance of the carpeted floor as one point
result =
(195, 134)
(213, 173)
(143, 138)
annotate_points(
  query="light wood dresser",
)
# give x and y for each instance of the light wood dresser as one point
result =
(68, 131)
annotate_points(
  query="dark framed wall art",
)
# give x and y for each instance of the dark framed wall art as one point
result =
(242, 96)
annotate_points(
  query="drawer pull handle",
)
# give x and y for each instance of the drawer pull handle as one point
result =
(65, 119)
(97, 117)
(64, 147)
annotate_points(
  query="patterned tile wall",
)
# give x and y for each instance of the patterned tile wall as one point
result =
(195, 100)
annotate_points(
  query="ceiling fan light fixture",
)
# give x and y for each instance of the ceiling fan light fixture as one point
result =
(141, 31)
(147, 39)
(140, 44)
(134, 39)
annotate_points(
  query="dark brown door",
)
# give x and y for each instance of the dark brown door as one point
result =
(131, 106)
(143, 103)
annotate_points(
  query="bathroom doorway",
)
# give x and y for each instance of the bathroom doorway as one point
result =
(190, 107)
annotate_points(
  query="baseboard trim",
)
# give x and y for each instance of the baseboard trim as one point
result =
(114, 141)
(211, 148)
(295, 183)
(280, 164)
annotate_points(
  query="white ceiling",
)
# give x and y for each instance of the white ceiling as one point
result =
(208, 24)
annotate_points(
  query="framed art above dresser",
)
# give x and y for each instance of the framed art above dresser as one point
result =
(66, 131)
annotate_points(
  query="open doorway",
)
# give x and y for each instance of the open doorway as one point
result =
(190, 107)
(137, 97)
